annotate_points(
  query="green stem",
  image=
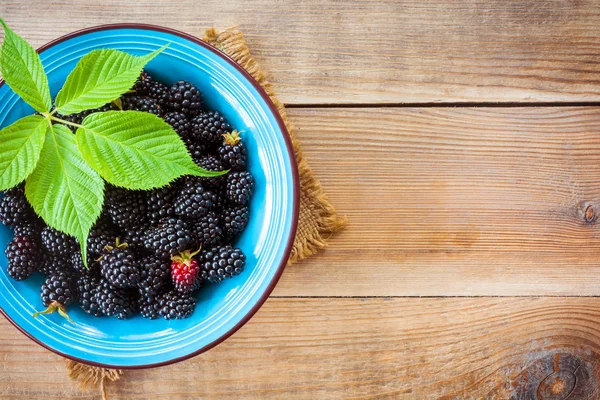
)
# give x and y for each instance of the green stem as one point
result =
(62, 121)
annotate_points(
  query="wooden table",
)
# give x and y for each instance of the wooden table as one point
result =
(462, 140)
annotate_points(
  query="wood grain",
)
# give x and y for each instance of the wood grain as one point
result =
(493, 348)
(451, 202)
(362, 51)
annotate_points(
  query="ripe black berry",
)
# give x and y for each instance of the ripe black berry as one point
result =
(119, 267)
(111, 300)
(58, 243)
(50, 264)
(194, 201)
(159, 203)
(14, 208)
(153, 274)
(143, 84)
(209, 128)
(220, 263)
(58, 288)
(211, 163)
(172, 236)
(23, 257)
(130, 305)
(139, 103)
(233, 152)
(185, 97)
(87, 293)
(175, 305)
(29, 229)
(208, 230)
(234, 220)
(240, 186)
(179, 122)
(127, 208)
(150, 305)
(101, 235)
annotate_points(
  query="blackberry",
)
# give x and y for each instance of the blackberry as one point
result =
(134, 237)
(211, 163)
(150, 306)
(14, 208)
(23, 257)
(58, 243)
(143, 84)
(221, 263)
(160, 94)
(101, 235)
(110, 300)
(159, 203)
(185, 272)
(193, 201)
(28, 229)
(172, 236)
(50, 264)
(80, 268)
(208, 230)
(87, 293)
(119, 267)
(239, 187)
(58, 288)
(153, 274)
(175, 305)
(179, 122)
(185, 97)
(234, 220)
(126, 208)
(139, 103)
(130, 305)
(209, 128)
(196, 150)
(233, 152)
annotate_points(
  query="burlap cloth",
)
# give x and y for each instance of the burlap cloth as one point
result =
(318, 219)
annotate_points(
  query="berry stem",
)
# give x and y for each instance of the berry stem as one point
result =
(62, 121)
(52, 308)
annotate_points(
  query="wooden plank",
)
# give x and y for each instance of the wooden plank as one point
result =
(468, 348)
(451, 202)
(376, 51)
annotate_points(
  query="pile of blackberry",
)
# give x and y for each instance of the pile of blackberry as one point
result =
(149, 252)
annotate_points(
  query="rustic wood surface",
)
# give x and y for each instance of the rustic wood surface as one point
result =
(384, 51)
(402, 348)
(443, 201)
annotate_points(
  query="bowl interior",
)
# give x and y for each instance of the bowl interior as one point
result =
(221, 308)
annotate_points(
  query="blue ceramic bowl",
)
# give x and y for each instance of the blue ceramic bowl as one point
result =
(222, 308)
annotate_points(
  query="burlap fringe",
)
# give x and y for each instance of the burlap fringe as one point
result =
(317, 221)
(88, 377)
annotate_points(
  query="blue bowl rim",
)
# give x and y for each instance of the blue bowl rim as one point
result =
(295, 196)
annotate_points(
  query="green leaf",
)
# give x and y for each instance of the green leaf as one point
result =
(63, 189)
(20, 147)
(135, 150)
(23, 71)
(99, 78)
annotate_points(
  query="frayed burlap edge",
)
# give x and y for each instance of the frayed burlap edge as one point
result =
(88, 377)
(318, 218)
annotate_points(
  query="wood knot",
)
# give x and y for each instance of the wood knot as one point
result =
(590, 214)
(557, 386)
(558, 376)
(587, 211)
